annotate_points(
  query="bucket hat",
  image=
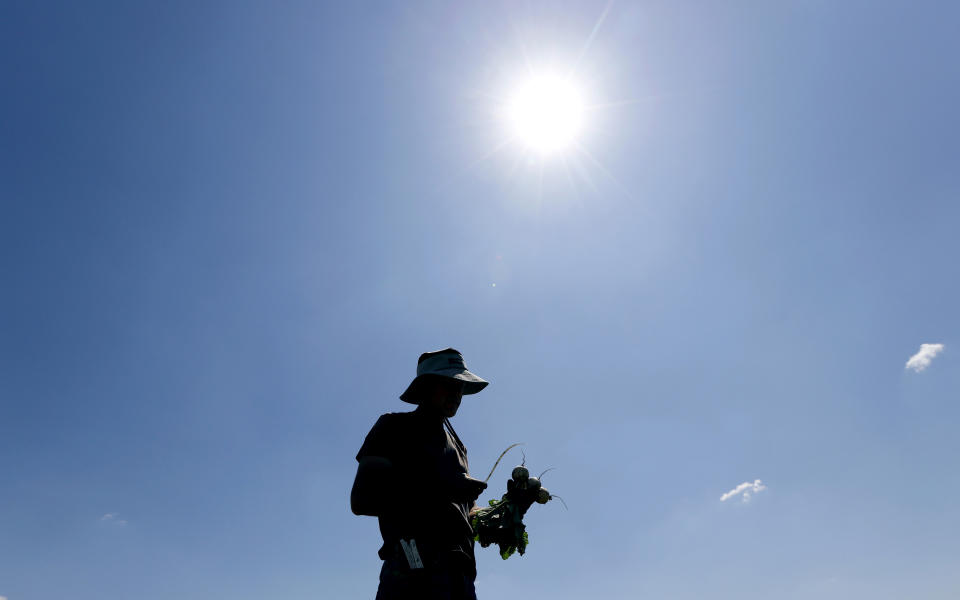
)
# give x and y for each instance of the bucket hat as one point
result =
(443, 363)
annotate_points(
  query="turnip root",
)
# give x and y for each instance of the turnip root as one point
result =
(544, 496)
(520, 474)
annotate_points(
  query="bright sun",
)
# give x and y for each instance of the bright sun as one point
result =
(546, 113)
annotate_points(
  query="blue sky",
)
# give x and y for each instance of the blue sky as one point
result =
(229, 229)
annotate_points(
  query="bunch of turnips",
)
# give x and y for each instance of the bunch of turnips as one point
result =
(501, 523)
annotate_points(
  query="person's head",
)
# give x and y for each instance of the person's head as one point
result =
(441, 382)
(441, 395)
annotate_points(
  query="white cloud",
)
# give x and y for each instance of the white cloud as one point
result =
(921, 360)
(745, 489)
(3, 598)
(110, 517)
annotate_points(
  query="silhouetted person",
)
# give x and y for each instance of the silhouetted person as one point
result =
(413, 476)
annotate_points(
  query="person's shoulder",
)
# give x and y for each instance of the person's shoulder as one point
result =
(393, 419)
(386, 437)
(396, 416)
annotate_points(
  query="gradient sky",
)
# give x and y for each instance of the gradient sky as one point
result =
(228, 230)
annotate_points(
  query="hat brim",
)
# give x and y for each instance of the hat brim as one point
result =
(471, 383)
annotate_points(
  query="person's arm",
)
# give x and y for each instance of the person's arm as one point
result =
(375, 482)
(375, 488)
(372, 486)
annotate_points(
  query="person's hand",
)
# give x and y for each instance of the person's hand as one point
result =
(469, 489)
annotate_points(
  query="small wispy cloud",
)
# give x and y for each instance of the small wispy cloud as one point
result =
(745, 490)
(921, 360)
(112, 517)
(3, 598)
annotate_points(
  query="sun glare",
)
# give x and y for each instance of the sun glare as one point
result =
(546, 113)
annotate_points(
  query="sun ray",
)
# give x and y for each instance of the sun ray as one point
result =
(566, 172)
(540, 184)
(585, 175)
(596, 163)
(496, 150)
(592, 36)
(617, 104)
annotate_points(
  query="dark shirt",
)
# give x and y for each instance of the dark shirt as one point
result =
(427, 458)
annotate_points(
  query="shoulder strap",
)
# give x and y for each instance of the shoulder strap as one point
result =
(456, 438)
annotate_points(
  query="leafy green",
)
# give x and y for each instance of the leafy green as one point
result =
(502, 524)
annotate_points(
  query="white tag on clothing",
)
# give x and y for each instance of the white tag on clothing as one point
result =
(413, 557)
(416, 553)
